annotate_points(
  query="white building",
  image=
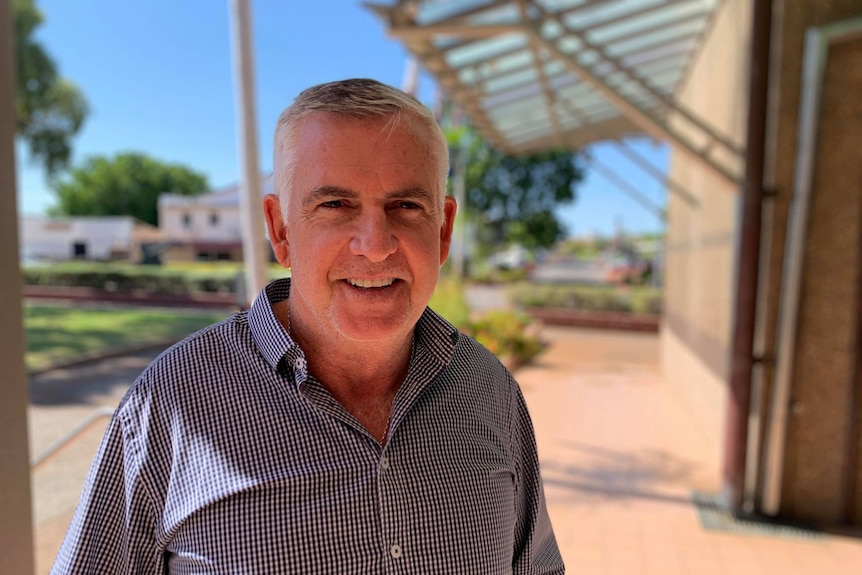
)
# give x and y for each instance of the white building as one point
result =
(205, 227)
(84, 237)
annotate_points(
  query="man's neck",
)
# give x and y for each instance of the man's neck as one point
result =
(363, 376)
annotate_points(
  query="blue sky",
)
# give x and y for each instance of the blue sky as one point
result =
(158, 76)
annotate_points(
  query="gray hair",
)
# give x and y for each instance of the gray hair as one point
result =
(355, 98)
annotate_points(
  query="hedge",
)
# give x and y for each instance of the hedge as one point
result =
(635, 299)
(119, 277)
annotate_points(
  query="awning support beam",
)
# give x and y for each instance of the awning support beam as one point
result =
(647, 121)
(671, 184)
(626, 187)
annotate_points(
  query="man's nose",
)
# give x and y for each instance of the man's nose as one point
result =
(373, 236)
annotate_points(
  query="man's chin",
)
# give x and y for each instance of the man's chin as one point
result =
(371, 329)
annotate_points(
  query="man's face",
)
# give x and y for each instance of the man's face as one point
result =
(366, 230)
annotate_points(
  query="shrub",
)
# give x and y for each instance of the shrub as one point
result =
(487, 274)
(449, 301)
(634, 299)
(512, 336)
(186, 279)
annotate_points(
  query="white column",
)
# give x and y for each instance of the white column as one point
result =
(16, 524)
(251, 203)
(410, 83)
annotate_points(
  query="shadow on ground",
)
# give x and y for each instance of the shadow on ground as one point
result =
(97, 382)
(589, 472)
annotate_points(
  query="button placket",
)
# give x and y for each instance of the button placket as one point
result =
(388, 507)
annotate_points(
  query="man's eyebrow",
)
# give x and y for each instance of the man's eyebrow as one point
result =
(337, 193)
(413, 194)
(327, 192)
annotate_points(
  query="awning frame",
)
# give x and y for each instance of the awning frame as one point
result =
(570, 89)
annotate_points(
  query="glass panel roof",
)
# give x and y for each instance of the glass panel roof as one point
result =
(540, 73)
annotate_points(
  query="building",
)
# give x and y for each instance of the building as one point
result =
(205, 227)
(102, 238)
(758, 100)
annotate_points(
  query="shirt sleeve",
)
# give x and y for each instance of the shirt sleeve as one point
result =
(112, 531)
(536, 550)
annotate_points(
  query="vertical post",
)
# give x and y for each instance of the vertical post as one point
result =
(410, 83)
(251, 205)
(748, 262)
(458, 247)
(16, 523)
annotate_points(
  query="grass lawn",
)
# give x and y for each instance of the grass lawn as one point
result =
(58, 333)
(62, 333)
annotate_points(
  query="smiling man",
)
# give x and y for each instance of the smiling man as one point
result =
(338, 426)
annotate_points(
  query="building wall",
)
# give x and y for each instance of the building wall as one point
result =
(821, 446)
(818, 447)
(103, 238)
(700, 256)
(200, 226)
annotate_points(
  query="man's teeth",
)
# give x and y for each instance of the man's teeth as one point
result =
(371, 283)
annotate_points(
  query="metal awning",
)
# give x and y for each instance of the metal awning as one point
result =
(548, 74)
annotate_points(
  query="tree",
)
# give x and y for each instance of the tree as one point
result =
(512, 199)
(49, 109)
(126, 185)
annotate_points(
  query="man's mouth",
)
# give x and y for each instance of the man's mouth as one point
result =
(371, 284)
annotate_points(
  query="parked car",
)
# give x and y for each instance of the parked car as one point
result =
(512, 258)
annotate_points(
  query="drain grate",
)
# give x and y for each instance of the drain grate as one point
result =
(714, 517)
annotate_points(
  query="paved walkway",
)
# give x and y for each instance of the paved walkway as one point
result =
(620, 455)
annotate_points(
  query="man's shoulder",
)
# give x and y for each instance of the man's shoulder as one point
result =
(474, 359)
(198, 356)
(226, 335)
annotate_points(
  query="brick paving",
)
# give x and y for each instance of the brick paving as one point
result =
(620, 455)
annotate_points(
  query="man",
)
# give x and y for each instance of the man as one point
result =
(337, 426)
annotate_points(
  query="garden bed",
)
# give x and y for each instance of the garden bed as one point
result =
(212, 300)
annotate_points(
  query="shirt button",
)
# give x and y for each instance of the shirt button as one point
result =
(395, 551)
(299, 363)
(384, 463)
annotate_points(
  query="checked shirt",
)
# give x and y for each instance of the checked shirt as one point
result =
(227, 456)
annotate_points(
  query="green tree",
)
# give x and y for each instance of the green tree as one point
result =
(49, 109)
(512, 199)
(127, 185)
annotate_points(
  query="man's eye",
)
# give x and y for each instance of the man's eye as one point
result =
(409, 205)
(333, 204)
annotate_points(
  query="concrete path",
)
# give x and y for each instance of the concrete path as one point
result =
(60, 400)
(620, 454)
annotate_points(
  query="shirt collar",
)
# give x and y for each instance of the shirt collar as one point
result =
(270, 336)
(433, 335)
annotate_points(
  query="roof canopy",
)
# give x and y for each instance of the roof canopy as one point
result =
(542, 74)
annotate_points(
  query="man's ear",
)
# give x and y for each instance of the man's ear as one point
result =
(277, 229)
(450, 208)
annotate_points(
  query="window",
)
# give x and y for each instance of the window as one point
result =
(214, 255)
(187, 221)
(214, 219)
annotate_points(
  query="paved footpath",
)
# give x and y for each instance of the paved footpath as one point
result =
(60, 400)
(620, 455)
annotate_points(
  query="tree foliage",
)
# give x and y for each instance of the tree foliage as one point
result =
(127, 185)
(512, 199)
(49, 109)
